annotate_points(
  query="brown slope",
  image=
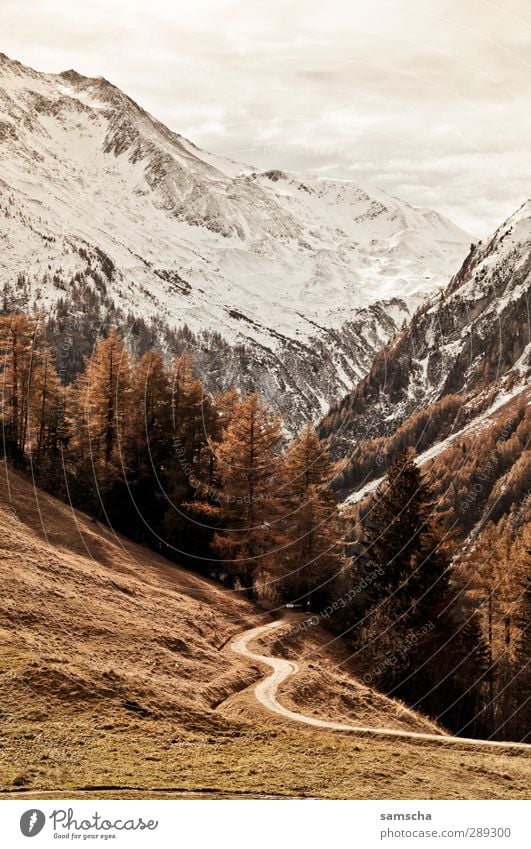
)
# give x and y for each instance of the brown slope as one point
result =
(92, 622)
(115, 673)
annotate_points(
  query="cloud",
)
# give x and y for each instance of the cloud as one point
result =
(430, 101)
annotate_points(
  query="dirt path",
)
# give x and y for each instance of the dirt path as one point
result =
(266, 693)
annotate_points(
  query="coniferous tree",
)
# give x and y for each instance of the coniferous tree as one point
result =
(393, 527)
(195, 425)
(249, 507)
(498, 569)
(519, 726)
(49, 422)
(418, 607)
(312, 557)
(21, 339)
(102, 396)
(148, 445)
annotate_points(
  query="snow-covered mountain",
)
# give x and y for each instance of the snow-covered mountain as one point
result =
(311, 275)
(462, 357)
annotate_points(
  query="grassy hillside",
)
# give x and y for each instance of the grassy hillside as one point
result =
(117, 678)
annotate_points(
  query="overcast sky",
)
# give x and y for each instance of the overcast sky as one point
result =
(428, 99)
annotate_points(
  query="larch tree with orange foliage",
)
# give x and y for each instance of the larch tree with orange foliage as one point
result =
(102, 396)
(312, 557)
(249, 510)
(21, 339)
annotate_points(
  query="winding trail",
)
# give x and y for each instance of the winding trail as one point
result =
(266, 693)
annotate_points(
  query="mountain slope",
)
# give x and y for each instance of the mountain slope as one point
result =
(312, 275)
(460, 352)
(117, 678)
(480, 450)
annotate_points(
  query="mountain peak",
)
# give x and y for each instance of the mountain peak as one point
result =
(8, 64)
(13, 65)
(268, 259)
(72, 76)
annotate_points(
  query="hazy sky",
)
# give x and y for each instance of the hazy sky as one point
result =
(429, 99)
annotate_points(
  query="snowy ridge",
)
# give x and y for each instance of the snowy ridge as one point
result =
(472, 338)
(280, 261)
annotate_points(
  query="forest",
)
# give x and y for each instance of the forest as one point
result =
(432, 615)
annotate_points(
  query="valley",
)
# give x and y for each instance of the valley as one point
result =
(113, 684)
(264, 494)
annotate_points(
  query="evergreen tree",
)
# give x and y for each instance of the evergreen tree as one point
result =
(394, 531)
(519, 727)
(498, 569)
(425, 626)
